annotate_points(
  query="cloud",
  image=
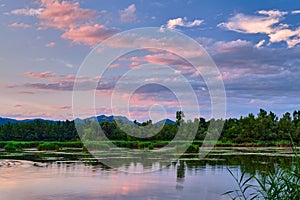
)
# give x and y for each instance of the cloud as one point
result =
(63, 86)
(176, 45)
(225, 47)
(251, 71)
(62, 107)
(260, 43)
(51, 44)
(161, 58)
(128, 14)
(250, 24)
(40, 75)
(69, 65)
(19, 25)
(291, 37)
(25, 92)
(78, 24)
(88, 34)
(18, 106)
(267, 23)
(272, 13)
(27, 11)
(182, 22)
(55, 82)
(294, 12)
(64, 14)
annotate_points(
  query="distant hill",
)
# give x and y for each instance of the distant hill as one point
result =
(100, 118)
(167, 121)
(6, 120)
(12, 121)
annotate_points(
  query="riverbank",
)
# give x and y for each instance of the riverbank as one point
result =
(55, 145)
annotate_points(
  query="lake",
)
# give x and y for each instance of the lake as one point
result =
(187, 178)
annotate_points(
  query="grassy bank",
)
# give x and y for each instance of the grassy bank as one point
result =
(11, 146)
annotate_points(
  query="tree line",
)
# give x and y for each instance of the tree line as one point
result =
(261, 127)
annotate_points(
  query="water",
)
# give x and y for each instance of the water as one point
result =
(79, 181)
(74, 180)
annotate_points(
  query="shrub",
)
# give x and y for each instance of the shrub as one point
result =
(142, 145)
(70, 144)
(48, 146)
(151, 146)
(10, 147)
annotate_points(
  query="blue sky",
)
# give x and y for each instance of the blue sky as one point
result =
(255, 44)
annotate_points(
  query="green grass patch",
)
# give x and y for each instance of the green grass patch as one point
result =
(48, 146)
(126, 144)
(95, 146)
(142, 145)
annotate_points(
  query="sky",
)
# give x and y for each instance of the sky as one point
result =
(255, 45)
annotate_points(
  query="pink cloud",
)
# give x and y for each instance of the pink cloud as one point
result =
(64, 14)
(60, 83)
(115, 65)
(62, 107)
(176, 45)
(165, 59)
(88, 34)
(51, 44)
(40, 75)
(267, 23)
(19, 25)
(25, 92)
(160, 58)
(18, 106)
(251, 24)
(128, 14)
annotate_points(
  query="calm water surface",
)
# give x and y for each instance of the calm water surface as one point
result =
(79, 181)
(76, 180)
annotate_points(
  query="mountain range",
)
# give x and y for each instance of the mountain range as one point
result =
(100, 118)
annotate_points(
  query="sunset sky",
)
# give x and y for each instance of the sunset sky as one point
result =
(255, 45)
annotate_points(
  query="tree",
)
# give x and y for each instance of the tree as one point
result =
(179, 117)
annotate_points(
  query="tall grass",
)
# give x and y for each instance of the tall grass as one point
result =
(284, 184)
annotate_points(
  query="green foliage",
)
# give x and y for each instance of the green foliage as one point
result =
(193, 149)
(142, 145)
(95, 146)
(76, 144)
(10, 147)
(187, 148)
(160, 144)
(151, 146)
(244, 185)
(38, 131)
(48, 146)
(264, 129)
(283, 184)
(125, 144)
(179, 117)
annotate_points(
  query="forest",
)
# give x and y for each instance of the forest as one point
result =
(247, 129)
